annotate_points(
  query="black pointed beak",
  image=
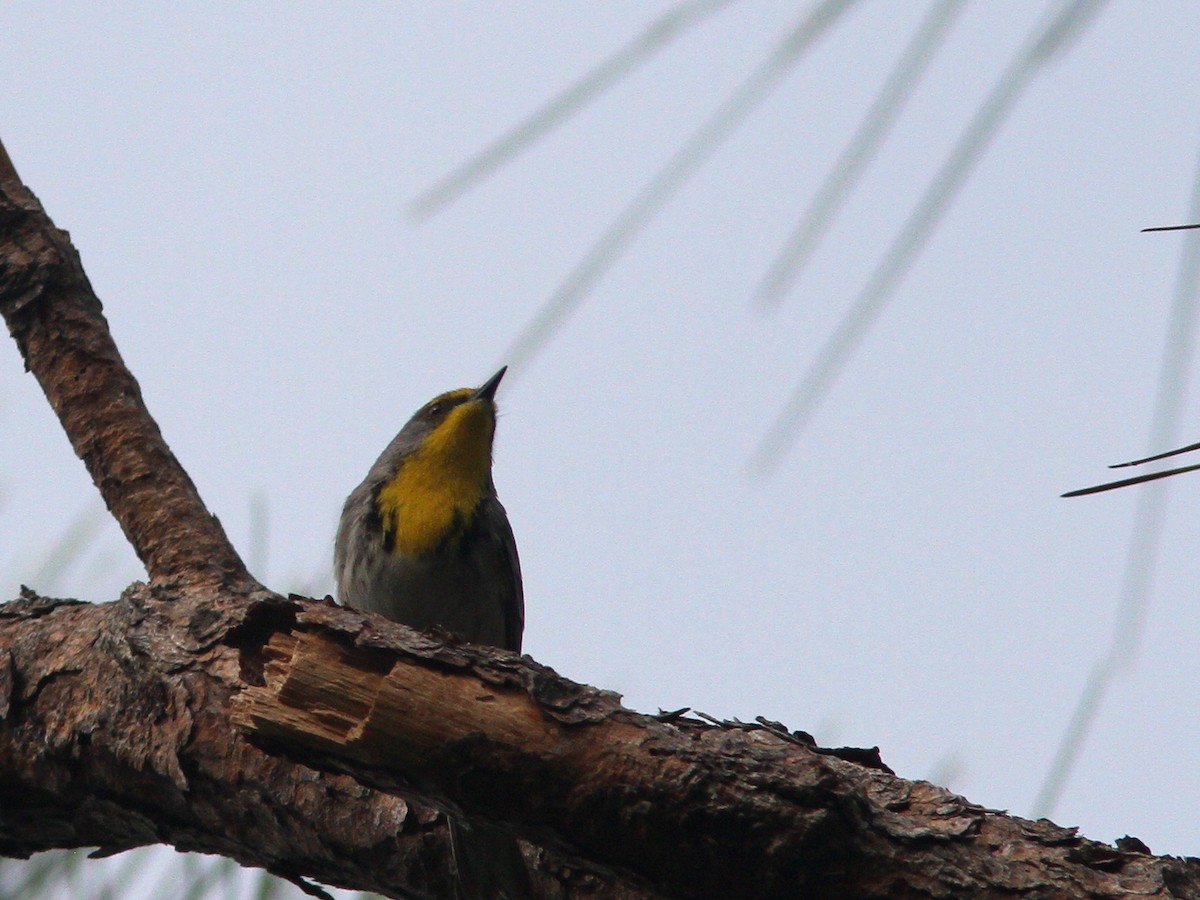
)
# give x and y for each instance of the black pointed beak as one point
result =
(487, 390)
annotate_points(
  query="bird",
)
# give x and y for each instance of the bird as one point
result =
(425, 541)
(1139, 479)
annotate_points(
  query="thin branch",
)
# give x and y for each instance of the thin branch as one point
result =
(1127, 482)
(662, 187)
(1171, 228)
(1156, 457)
(1141, 557)
(804, 239)
(666, 28)
(904, 249)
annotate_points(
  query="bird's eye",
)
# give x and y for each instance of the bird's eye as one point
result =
(436, 409)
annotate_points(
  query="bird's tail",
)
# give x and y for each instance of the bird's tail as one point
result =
(489, 862)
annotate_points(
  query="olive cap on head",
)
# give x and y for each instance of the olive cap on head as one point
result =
(430, 416)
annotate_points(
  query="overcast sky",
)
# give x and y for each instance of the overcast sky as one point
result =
(238, 180)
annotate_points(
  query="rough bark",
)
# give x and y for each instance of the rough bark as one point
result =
(205, 712)
(57, 321)
(208, 725)
(116, 732)
(60, 329)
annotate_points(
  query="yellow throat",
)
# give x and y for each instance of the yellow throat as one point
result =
(437, 487)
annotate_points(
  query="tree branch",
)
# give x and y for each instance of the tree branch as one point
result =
(59, 326)
(208, 713)
(696, 809)
(57, 321)
(115, 732)
(242, 718)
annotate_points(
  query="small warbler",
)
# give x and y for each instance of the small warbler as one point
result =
(424, 541)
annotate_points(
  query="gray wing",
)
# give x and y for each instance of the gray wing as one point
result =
(508, 579)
